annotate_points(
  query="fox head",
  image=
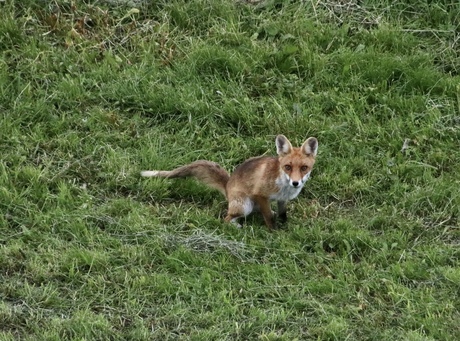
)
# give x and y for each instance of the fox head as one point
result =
(296, 163)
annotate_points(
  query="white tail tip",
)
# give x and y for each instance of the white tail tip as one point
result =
(149, 173)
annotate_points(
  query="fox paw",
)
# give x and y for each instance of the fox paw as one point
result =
(283, 217)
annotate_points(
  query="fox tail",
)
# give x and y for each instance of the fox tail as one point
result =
(208, 172)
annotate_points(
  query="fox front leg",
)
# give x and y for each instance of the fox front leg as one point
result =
(282, 211)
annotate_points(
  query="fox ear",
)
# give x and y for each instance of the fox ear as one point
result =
(283, 146)
(310, 146)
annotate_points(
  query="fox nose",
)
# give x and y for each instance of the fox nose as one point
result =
(295, 183)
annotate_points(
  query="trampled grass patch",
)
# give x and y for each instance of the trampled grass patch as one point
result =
(93, 93)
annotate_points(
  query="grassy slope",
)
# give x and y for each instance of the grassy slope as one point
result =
(92, 94)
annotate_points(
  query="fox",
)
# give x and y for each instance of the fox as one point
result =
(257, 181)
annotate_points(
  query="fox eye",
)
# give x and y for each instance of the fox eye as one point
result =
(303, 168)
(288, 168)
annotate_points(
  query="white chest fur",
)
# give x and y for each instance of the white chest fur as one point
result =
(286, 190)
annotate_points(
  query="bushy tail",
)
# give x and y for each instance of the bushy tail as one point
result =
(208, 172)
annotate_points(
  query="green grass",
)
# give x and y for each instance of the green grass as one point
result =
(91, 93)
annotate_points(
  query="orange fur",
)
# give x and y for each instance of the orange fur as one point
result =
(256, 181)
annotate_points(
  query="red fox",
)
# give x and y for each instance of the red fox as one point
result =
(256, 181)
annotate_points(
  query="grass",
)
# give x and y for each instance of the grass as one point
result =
(93, 92)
